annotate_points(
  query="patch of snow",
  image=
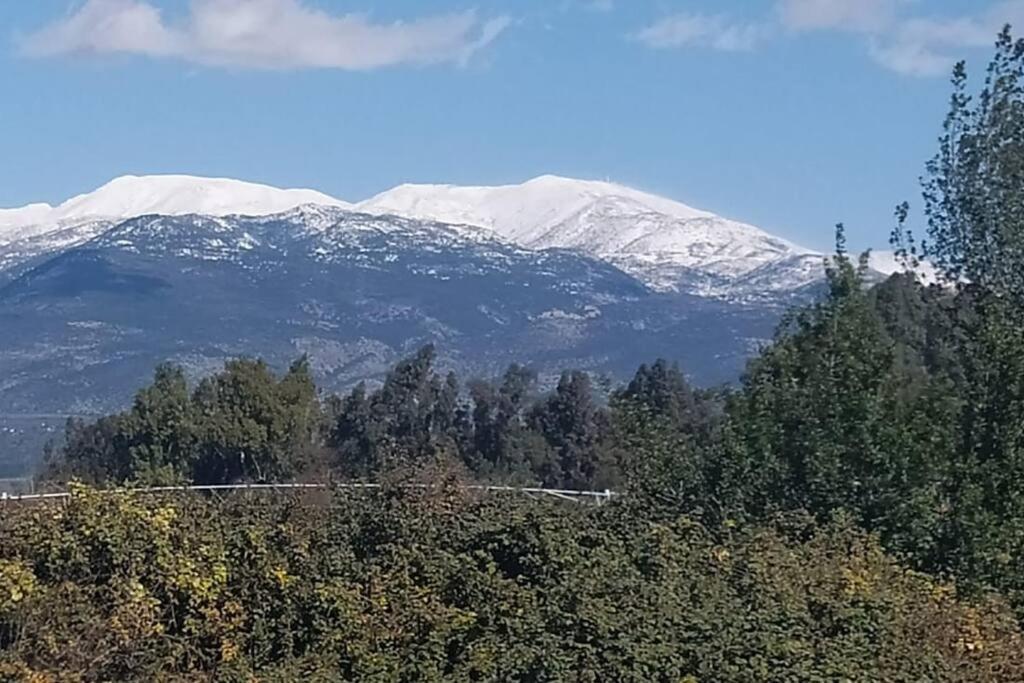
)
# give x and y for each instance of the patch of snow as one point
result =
(887, 263)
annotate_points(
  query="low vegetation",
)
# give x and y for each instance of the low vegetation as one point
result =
(403, 586)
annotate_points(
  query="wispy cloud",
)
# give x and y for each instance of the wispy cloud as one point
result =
(701, 30)
(599, 6)
(264, 34)
(930, 46)
(848, 15)
(897, 39)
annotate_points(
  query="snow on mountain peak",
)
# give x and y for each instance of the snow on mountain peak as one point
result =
(657, 239)
(26, 215)
(129, 196)
(888, 263)
(522, 213)
(665, 243)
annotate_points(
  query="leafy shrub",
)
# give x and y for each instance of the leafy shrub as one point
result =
(402, 585)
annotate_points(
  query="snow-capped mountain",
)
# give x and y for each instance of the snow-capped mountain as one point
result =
(666, 244)
(167, 195)
(886, 263)
(523, 213)
(669, 245)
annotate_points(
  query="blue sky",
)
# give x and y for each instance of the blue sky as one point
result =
(789, 114)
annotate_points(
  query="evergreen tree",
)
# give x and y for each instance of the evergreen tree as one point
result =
(95, 453)
(254, 426)
(414, 415)
(504, 445)
(350, 435)
(663, 432)
(242, 424)
(162, 428)
(576, 429)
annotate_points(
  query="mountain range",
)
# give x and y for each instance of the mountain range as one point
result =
(554, 272)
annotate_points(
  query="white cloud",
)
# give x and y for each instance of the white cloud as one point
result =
(846, 15)
(913, 44)
(267, 34)
(700, 30)
(588, 5)
(930, 46)
(107, 26)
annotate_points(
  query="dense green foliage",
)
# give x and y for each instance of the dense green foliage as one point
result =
(974, 191)
(240, 424)
(809, 524)
(904, 406)
(410, 587)
(243, 424)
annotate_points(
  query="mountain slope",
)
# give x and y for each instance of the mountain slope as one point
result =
(82, 329)
(670, 245)
(19, 254)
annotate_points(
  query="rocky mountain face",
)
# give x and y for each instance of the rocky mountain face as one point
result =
(558, 273)
(81, 328)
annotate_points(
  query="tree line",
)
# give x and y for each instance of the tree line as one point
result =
(246, 424)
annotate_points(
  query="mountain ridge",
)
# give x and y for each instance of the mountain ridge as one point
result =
(628, 227)
(669, 245)
(129, 196)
